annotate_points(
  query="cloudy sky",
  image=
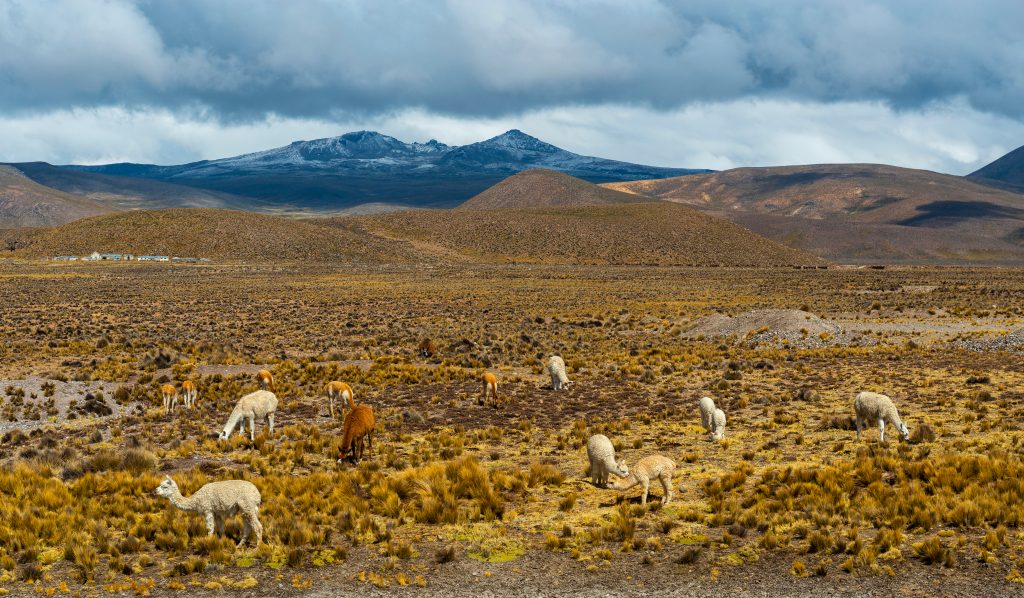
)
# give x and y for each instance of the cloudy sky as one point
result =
(935, 84)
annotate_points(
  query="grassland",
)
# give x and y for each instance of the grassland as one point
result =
(464, 499)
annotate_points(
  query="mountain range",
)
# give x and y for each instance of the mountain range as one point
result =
(337, 173)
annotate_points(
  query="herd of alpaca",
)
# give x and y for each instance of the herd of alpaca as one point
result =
(217, 500)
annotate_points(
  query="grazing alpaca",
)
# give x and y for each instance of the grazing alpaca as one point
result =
(871, 407)
(339, 390)
(556, 367)
(188, 392)
(358, 425)
(217, 500)
(655, 467)
(490, 385)
(170, 395)
(427, 348)
(261, 404)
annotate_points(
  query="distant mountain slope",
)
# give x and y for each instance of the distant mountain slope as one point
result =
(212, 233)
(971, 221)
(844, 241)
(822, 190)
(658, 233)
(540, 187)
(1007, 169)
(23, 202)
(364, 167)
(133, 193)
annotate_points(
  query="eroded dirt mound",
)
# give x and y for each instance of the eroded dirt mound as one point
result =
(1012, 341)
(793, 326)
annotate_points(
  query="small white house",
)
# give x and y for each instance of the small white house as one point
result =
(154, 258)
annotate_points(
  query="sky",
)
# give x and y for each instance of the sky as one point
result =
(934, 84)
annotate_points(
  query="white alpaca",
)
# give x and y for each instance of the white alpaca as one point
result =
(217, 500)
(655, 467)
(261, 404)
(871, 406)
(718, 425)
(707, 413)
(602, 460)
(556, 367)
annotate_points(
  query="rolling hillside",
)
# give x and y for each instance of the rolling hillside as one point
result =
(130, 193)
(212, 233)
(658, 233)
(25, 203)
(921, 216)
(539, 187)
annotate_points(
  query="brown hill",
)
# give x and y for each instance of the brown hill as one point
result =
(212, 233)
(658, 233)
(23, 202)
(1008, 169)
(540, 188)
(937, 217)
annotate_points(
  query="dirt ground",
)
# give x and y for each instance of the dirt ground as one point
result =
(790, 503)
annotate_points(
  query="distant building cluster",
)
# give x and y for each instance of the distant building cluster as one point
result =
(127, 257)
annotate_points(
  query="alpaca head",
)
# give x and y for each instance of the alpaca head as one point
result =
(622, 470)
(904, 431)
(167, 487)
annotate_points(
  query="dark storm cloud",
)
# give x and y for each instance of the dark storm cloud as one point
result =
(236, 61)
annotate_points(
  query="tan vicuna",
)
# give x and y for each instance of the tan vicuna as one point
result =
(490, 386)
(266, 380)
(340, 390)
(189, 394)
(170, 396)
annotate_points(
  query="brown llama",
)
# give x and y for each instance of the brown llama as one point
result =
(358, 426)
(427, 348)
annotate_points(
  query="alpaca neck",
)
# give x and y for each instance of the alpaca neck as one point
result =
(185, 504)
(232, 422)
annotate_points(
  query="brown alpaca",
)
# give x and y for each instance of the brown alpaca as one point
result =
(170, 395)
(338, 390)
(427, 348)
(490, 383)
(266, 380)
(358, 426)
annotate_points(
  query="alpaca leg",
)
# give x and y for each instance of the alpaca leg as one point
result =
(246, 530)
(256, 526)
(369, 441)
(881, 430)
(666, 484)
(331, 402)
(252, 429)
(858, 426)
(270, 423)
(211, 524)
(647, 488)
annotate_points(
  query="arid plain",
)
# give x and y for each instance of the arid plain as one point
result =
(459, 498)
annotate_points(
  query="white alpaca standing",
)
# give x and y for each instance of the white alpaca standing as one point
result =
(707, 413)
(556, 367)
(655, 467)
(602, 460)
(718, 425)
(218, 500)
(871, 406)
(261, 404)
